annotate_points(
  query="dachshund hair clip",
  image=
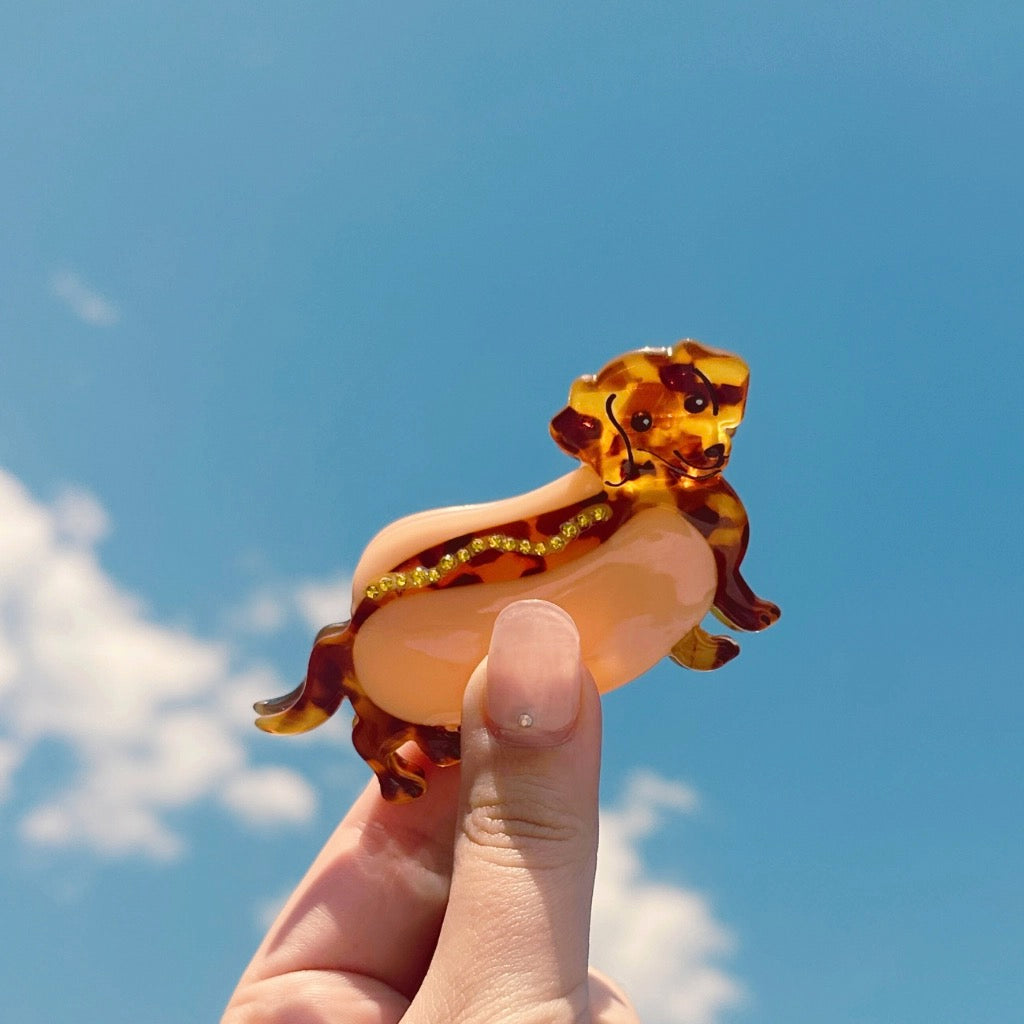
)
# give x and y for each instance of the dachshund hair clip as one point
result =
(637, 544)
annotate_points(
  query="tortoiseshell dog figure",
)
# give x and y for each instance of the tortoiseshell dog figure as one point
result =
(655, 429)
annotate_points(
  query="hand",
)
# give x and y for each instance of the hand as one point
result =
(470, 905)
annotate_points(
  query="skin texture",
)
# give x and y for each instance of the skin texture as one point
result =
(653, 431)
(471, 905)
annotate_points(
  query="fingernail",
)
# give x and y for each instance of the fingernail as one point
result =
(533, 674)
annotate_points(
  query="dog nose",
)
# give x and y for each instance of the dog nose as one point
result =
(716, 452)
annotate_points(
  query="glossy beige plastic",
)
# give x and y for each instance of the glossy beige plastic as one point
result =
(631, 599)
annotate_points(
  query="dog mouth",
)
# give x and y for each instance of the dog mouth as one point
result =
(686, 468)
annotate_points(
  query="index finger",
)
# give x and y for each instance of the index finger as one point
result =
(373, 900)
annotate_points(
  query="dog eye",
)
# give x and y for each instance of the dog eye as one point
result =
(641, 421)
(695, 403)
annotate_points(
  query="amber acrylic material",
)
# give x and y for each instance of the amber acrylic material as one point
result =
(637, 545)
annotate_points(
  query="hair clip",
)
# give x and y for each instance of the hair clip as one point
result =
(637, 544)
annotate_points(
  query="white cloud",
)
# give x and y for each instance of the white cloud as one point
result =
(320, 603)
(79, 517)
(156, 718)
(266, 796)
(659, 940)
(85, 302)
(312, 603)
(10, 755)
(263, 612)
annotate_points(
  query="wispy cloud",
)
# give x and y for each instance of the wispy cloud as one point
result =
(308, 603)
(156, 718)
(84, 301)
(261, 613)
(320, 603)
(661, 941)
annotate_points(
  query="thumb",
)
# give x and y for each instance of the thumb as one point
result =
(514, 942)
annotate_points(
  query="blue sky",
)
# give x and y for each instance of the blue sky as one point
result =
(271, 276)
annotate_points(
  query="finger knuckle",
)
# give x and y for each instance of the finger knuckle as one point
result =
(531, 822)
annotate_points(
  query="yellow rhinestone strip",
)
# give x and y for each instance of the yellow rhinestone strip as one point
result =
(422, 577)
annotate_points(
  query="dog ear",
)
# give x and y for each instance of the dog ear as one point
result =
(575, 432)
